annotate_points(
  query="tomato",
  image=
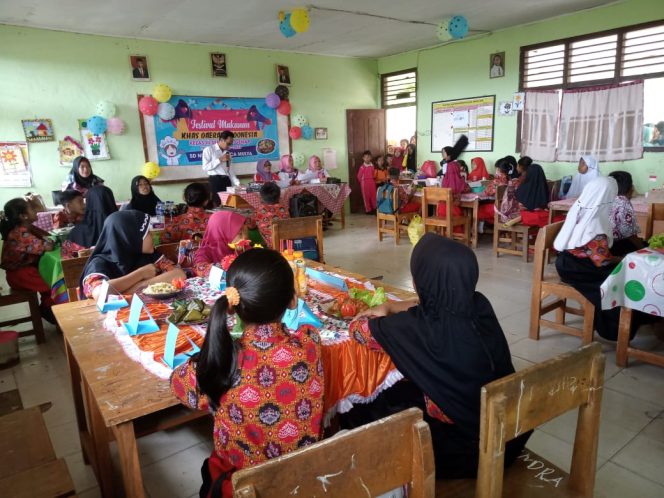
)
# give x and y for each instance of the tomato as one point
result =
(348, 309)
(178, 283)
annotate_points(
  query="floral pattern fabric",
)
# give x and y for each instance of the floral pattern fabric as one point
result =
(186, 225)
(623, 220)
(71, 249)
(265, 215)
(21, 248)
(63, 219)
(597, 250)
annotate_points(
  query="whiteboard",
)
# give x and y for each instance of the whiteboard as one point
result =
(473, 117)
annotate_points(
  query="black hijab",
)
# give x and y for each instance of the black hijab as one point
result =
(451, 344)
(145, 203)
(119, 250)
(533, 193)
(99, 204)
(85, 182)
(411, 160)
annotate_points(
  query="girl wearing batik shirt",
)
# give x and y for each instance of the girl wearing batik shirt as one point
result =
(623, 220)
(265, 390)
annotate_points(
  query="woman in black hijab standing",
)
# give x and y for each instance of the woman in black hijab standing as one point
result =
(448, 344)
(143, 197)
(81, 177)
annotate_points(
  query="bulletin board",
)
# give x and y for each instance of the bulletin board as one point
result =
(177, 144)
(473, 117)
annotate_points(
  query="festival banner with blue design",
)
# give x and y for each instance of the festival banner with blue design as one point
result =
(199, 120)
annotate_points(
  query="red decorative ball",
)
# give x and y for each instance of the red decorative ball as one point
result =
(148, 105)
(284, 108)
(295, 132)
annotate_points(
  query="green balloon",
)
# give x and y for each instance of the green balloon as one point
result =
(635, 290)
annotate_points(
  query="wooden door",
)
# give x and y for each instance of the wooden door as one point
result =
(366, 131)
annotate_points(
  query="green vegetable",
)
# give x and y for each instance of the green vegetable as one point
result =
(370, 298)
(656, 241)
(378, 298)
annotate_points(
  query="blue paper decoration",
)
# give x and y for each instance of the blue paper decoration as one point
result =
(97, 125)
(302, 315)
(458, 27)
(170, 358)
(307, 132)
(285, 27)
(134, 324)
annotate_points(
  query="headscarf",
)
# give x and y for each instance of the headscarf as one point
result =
(99, 204)
(589, 215)
(397, 161)
(145, 203)
(288, 168)
(222, 228)
(410, 160)
(311, 164)
(451, 344)
(262, 172)
(82, 181)
(453, 178)
(479, 171)
(581, 180)
(119, 250)
(533, 193)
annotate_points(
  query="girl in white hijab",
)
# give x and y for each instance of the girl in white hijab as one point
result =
(588, 170)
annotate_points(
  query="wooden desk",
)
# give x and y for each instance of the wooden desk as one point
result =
(472, 208)
(640, 204)
(119, 395)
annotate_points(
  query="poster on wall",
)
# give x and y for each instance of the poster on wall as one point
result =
(260, 133)
(473, 117)
(15, 165)
(95, 147)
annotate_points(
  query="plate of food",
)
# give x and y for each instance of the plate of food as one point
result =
(344, 307)
(162, 290)
(265, 146)
(189, 312)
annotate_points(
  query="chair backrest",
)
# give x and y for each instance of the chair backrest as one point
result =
(367, 461)
(382, 204)
(655, 223)
(527, 399)
(298, 228)
(543, 243)
(72, 269)
(432, 196)
(169, 250)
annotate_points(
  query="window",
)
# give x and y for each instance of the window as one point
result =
(399, 99)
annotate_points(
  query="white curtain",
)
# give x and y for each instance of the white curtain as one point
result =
(539, 127)
(605, 122)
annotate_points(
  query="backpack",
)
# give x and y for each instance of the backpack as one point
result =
(384, 199)
(303, 204)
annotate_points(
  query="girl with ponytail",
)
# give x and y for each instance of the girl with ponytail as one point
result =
(267, 386)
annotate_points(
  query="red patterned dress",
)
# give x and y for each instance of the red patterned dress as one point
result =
(186, 225)
(275, 404)
(597, 250)
(265, 215)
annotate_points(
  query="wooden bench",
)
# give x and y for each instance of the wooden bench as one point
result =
(366, 461)
(432, 196)
(545, 286)
(523, 401)
(18, 297)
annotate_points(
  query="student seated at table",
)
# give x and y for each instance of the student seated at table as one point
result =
(264, 390)
(73, 209)
(99, 205)
(315, 172)
(288, 174)
(264, 172)
(224, 227)
(585, 259)
(124, 255)
(587, 171)
(81, 177)
(448, 343)
(479, 171)
(623, 220)
(23, 246)
(143, 198)
(268, 212)
(405, 192)
(533, 197)
(193, 222)
(453, 180)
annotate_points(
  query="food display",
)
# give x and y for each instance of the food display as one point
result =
(656, 242)
(189, 311)
(160, 288)
(345, 307)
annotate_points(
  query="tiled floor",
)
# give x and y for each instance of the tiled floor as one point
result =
(631, 449)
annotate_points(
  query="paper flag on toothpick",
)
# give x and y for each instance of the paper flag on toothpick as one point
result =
(136, 326)
(170, 358)
(216, 278)
(107, 303)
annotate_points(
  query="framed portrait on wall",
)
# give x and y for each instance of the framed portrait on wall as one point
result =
(218, 62)
(283, 75)
(320, 133)
(497, 65)
(139, 68)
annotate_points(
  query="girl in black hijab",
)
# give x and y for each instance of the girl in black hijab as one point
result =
(99, 204)
(81, 177)
(447, 345)
(533, 193)
(124, 255)
(143, 197)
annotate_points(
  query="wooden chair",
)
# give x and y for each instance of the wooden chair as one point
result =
(523, 401)
(169, 250)
(655, 223)
(392, 224)
(367, 461)
(551, 285)
(29, 297)
(432, 196)
(298, 228)
(515, 235)
(72, 269)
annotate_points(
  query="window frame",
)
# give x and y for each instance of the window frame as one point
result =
(383, 79)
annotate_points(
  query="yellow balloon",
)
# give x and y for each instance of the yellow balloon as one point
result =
(150, 170)
(299, 20)
(162, 92)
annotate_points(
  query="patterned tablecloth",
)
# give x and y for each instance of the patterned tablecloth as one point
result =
(637, 283)
(331, 196)
(640, 204)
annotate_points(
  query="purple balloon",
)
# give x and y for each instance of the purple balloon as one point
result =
(272, 100)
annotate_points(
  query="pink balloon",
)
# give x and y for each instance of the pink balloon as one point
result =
(148, 105)
(115, 126)
(284, 108)
(295, 132)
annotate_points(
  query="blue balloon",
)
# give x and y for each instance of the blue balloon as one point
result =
(97, 125)
(458, 27)
(286, 28)
(307, 132)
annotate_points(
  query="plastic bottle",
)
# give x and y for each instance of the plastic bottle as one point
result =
(300, 273)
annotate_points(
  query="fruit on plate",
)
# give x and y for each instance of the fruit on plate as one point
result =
(346, 307)
(178, 283)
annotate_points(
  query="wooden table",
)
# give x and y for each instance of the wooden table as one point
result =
(121, 398)
(640, 204)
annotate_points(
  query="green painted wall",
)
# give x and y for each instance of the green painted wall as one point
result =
(460, 70)
(62, 76)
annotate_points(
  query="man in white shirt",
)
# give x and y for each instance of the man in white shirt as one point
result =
(217, 165)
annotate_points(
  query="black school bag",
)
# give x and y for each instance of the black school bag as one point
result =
(303, 204)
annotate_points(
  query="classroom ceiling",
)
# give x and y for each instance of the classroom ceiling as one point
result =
(254, 23)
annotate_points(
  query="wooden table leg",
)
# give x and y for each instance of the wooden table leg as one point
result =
(476, 212)
(103, 464)
(343, 215)
(79, 404)
(128, 452)
(623, 336)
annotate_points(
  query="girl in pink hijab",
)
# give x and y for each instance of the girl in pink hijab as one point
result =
(288, 175)
(315, 171)
(224, 227)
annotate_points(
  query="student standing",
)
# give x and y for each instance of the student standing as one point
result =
(365, 175)
(81, 177)
(217, 165)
